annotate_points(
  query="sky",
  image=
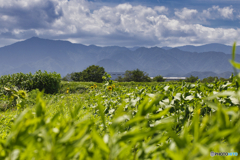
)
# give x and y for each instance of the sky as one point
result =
(126, 23)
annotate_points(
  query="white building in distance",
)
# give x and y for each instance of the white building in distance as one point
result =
(174, 78)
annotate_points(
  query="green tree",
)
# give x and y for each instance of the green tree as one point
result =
(136, 76)
(120, 79)
(76, 76)
(93, 73)
(158, 78)
(191, 79)
(210, 79)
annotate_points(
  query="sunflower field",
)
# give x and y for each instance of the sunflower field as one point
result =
(123, 121)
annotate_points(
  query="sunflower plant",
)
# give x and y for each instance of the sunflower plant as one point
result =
(16, 97)
(67, 90)
(107, 79)
(110, 88)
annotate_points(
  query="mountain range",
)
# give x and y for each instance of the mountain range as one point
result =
(216, 47)
(65, 57)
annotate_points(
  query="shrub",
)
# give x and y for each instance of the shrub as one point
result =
(50, 82)
(210, 79)
(135, 75)
(120, 79)
(91, 74)
(191, 79)
(158, 78)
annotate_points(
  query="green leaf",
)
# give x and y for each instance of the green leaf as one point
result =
(234, 51)
(235, 64)
(101, 111)
(67, 135)
(99, 141)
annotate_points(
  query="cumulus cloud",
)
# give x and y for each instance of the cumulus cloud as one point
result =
(123, 24)
(28, 14)
(238, 16)
(161, 9)
(216, 12)
(186, 13)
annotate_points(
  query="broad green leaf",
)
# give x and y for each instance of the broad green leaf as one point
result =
(99, 141)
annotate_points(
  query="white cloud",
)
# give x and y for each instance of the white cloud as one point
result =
(22, 3)
(186, 13)
(216, 13)
(226, 12)
(123, 24)
(238, 16)
(161, 9)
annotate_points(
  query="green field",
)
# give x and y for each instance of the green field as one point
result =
(130, 121)
(118, 121)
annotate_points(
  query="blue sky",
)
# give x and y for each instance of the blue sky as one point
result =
(122, 22)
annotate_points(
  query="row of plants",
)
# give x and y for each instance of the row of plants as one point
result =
(210, 79)
(49, 82)
(164, 121)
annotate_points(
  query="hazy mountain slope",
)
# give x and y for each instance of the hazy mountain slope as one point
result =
(157, 61)
(65, 57)
(111, 66)
(208, 61)
(216, 47)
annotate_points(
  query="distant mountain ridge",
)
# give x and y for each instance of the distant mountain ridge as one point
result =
(65, 57)
(216, 47)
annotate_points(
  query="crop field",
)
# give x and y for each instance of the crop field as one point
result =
(118, 121)
(124, 121)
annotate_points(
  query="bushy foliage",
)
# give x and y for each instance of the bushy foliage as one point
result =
(191, 79)
(185, 120)
(74, 87)
(164, 121)
(213, 79)
(49, 82)
(120, 79)
(76, 76)
(107, 79)
(91, 74)
(158, 78)
(14, 97)
(135, 75)
(210, 79)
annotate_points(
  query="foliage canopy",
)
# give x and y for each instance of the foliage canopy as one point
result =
(49, 82)
(135, 75)
(91, 74)
(158, 78)
(191, 79)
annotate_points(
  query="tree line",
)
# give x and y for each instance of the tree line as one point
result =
(210, 79)
(95, 73)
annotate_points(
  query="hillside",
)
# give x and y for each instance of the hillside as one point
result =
(65, 57)
(216, 47)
